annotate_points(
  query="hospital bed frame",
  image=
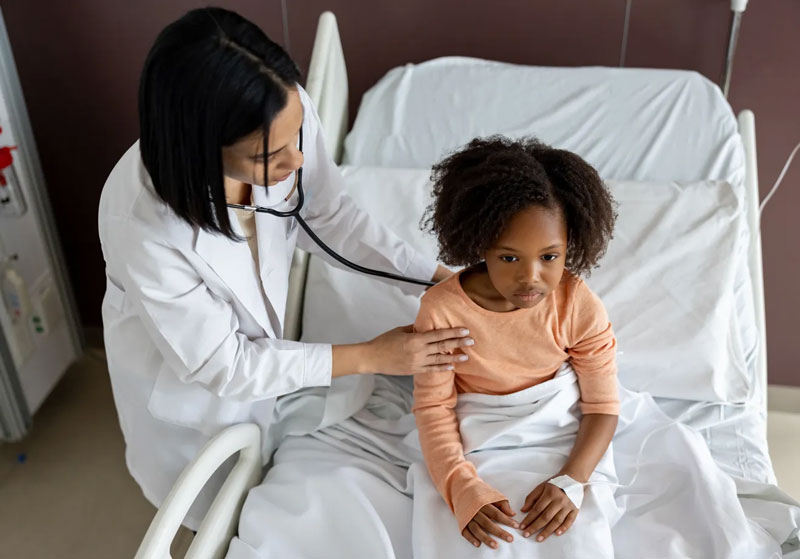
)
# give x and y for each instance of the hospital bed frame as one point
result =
(327, 86)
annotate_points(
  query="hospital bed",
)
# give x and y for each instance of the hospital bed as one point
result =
(659, 126)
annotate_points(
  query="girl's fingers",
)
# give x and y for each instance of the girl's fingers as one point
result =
(543, 519)
(567, 523)
(551, 527)
(496, 514)
(478, 532)
(531, 498)
(535, 510)
(505, 508)
(489, 525)
(470, 538)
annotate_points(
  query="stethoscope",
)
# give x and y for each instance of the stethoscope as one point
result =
(295, 213)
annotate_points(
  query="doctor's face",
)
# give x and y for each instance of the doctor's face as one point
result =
(245, 160)
(526, 263)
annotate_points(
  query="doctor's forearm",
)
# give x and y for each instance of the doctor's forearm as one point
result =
(594, 436)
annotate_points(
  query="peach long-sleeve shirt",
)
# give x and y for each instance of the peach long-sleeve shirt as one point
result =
(513, 351)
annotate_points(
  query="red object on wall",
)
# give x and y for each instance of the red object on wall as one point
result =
(6, 159)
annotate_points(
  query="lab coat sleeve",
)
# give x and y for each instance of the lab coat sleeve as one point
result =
(197, 332)
(342, 225)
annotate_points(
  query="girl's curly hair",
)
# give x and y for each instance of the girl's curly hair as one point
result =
(478, 189)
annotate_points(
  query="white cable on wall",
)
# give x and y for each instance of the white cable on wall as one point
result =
(778, 182)
(738, 5)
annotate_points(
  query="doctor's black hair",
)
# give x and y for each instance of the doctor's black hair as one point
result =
(478, 189)
(211, 78)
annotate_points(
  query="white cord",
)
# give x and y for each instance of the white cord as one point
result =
(780, 178)
(738, 5)
(672, 422)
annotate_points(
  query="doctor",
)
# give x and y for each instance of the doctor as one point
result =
(196, 291)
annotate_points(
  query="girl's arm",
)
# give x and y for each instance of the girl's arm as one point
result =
(453, 475)
(592, 351)
(435, 399)
(594, 436)
(547, 507)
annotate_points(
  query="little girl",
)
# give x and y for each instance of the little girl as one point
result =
(527, 221)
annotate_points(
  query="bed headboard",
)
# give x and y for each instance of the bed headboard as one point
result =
(747, 129)
(326, 84)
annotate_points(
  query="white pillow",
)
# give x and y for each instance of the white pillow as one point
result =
(667, 281)
(629, 123)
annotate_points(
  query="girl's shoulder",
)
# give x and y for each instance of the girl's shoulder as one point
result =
(581, 306)
(446, 291)
(573, 287)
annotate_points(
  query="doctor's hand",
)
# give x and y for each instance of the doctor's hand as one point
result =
(403, 352)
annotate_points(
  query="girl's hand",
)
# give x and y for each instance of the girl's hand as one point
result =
(403, 352)
(549, 510)
(487, 522)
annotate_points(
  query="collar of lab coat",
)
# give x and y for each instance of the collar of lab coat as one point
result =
(234, 264)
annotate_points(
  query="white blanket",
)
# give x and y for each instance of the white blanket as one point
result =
(656, 493)
(347, 490)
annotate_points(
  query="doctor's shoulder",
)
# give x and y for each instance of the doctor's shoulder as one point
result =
(311, 121)
(130, 201)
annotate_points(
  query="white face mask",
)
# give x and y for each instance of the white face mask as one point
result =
(275, 196)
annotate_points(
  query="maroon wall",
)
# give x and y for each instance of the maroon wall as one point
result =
(377, 36)
(767, 80)
(79, 63)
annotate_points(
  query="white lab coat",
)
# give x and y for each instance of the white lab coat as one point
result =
(192, 329)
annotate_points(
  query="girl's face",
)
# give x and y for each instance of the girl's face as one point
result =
(245, 160)
(527, 261)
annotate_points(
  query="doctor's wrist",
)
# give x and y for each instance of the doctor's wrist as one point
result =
(351, 359)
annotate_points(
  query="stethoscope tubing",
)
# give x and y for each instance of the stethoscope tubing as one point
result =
(295, 213)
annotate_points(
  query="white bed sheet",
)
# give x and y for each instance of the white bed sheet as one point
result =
(736, 434)
(360, 464)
